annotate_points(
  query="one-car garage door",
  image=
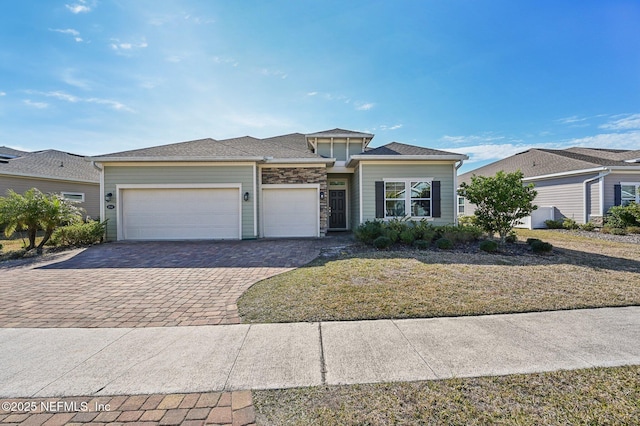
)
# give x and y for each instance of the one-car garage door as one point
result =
(290, 212)
(180, 213)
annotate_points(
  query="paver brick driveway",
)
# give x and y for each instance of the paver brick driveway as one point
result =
(146, 284)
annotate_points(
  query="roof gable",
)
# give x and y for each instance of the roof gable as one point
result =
(397, 148)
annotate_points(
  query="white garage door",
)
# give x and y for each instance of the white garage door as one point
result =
(290, 212)
(180, 214)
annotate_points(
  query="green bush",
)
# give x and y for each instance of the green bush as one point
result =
(623, 216)
(532, 240)
(630, 229)
(554, 224)
(80, 234)
(382, 242)
(459, 234)
(421, 244)
(541, 247)
(569, 223)
(466, 220)
(424, 231)
(589, 226)
(408, 236)
(618, 231)
(368, 231)
(489, 246)
(511, 238)
(444, 244)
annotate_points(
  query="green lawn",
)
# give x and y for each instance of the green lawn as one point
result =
(601, 396)
(581, 273)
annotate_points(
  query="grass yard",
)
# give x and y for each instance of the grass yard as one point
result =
(582, 272)
(602, 396)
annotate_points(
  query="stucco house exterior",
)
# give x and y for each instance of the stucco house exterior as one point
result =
(295, 185)
(577, 183)
(51, 171)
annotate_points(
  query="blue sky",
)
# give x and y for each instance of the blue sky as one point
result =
(485, 78)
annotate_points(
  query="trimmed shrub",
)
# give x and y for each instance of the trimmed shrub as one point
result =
(382, 242)
(618, 231)
(421, 244)
(444, 244)
(589, 226)
(532, 240)
(630, 229)
(489, 246)
(408, 236)
(623, 216)
(541, 247)
(80, 234)
(368, 231)
(459, 234)
(511, 238)
(424, 231)
(466, 220)
(554, 224)
(569, 223)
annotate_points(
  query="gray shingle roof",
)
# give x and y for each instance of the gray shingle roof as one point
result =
(340, 132)
(541, 162)
(6, 151)
(51, 164)
(397, 148)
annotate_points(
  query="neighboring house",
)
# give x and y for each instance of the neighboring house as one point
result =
(51, 171)
(293, 185)
(577, 183)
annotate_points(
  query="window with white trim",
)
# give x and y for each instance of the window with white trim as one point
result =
(630, 192)
(416, 202)
(74, 196)
(460, 205)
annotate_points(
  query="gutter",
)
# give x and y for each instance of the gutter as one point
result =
(102, 205)
(454, 157)
(455, 193)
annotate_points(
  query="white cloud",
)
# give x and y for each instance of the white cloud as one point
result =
(627, 122)
(273, 73)
(488, 152)
(365, 107)
(70, 31)
(118, 106)
(312, 93)
(80, 7)
(572, 120)
(394, 127)
(473, 139)
(69, 78)
(39, 105)
(627, 140)
(125, 48)
(3, 93)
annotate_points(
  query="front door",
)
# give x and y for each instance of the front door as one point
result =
(338, 206)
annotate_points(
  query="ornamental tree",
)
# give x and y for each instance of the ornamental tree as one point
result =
(36, 211)
(500, 201)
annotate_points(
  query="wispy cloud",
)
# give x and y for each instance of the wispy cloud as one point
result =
(364, 106)
(63, 96)
(3, 93)
(626, 140)
(127, 48)
(312, 93)
(488, 152)
(384, 127)
(38, 105)
(626, 122)
(80, 7)
(70, 31)
(481, 139)
(68, 76)
(571, 120)
(273, 73)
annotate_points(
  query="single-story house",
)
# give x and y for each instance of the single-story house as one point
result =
(295, 185)
(51, 171)
(577, 183)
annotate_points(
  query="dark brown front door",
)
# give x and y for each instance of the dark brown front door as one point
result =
(338, 206)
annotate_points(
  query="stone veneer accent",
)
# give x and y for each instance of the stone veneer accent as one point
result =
(298, 175)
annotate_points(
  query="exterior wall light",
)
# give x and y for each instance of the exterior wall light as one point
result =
(322, 195)
(108, 197)
(246, 196)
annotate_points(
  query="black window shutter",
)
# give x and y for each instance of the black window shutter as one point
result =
(617, 194)
(380, 200)
(435, 199)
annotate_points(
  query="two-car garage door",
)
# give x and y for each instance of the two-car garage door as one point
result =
(180, 213)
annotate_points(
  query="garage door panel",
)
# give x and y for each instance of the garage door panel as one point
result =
(290, 212)
(184, 213)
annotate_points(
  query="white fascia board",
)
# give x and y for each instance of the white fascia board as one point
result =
(299, 161)
(32, 176)
(340, 135)
(173, 159)
(453, 157)
(570, 173)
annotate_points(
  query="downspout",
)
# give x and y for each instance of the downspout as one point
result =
(101, 170)
(585, 198)
(455, 192)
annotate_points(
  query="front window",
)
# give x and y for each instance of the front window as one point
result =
(460, 205)
(74, 196)
(415, 203)
(630, 193)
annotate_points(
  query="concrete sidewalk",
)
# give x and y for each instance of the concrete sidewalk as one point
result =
(67, 362)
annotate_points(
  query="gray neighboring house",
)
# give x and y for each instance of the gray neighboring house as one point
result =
(295, 185)
(577, 183)
(51, 171)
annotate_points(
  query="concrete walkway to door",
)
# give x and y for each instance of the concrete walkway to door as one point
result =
(60, 362)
